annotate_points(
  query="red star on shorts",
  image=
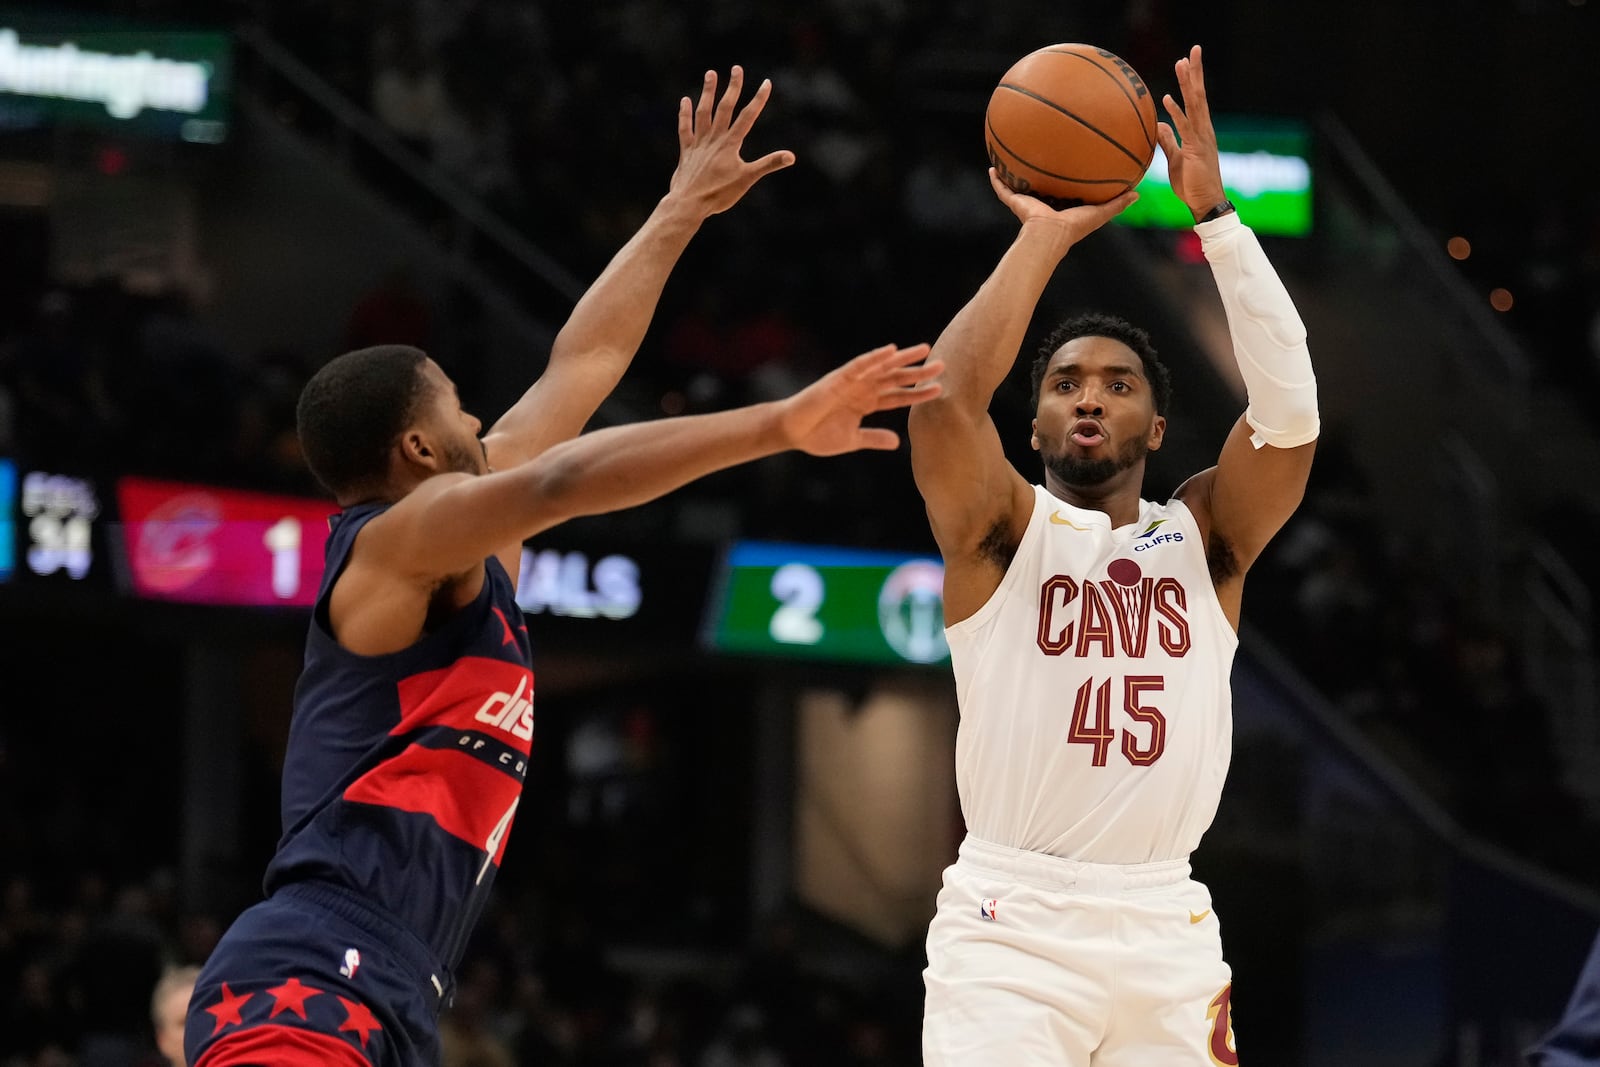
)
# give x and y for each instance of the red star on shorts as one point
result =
(227, 1009)
(292, 996)
(360, 1020)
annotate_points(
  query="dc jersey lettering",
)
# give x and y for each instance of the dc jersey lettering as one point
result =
(470, 730)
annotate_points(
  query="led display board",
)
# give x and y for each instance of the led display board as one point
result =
(204, 545)
(1266, 172)
(154, 82)
(840, 604)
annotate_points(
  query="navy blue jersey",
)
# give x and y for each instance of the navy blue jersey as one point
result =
(403, 770)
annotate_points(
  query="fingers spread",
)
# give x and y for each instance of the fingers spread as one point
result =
(1180, 121)
(708, 93)
(730, 98)
(747, 117)
(771, 162)
(685, 123)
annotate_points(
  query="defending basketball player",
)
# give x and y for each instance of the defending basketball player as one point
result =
(1092, 633)
(413, 716)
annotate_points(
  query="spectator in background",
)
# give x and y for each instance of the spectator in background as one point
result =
(407, 91)
(169, 1005)
(742, 1042)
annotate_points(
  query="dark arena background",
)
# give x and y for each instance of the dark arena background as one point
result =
(742, 792)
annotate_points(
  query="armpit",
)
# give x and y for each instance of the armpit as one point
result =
(997, 546)
(1221, 559)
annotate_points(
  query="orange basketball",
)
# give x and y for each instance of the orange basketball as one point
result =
(1071, 124)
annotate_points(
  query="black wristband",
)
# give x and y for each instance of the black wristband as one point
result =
(1216, 212)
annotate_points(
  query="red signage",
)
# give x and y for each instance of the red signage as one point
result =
(205, 545)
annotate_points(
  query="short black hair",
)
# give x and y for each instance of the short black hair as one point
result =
(1096, 324)
(353, 409)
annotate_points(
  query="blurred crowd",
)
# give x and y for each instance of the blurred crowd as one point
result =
(80, 966)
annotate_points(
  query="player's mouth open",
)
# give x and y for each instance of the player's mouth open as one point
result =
(1087, 433)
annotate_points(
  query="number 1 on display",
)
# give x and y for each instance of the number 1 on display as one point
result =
(283, 541)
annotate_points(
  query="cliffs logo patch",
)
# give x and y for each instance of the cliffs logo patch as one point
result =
(987, 909)
(1153, 535)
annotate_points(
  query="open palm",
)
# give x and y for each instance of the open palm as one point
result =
(710, 137)
(824, 419)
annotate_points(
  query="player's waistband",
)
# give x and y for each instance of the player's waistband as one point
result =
(1043, 871)
(410, 951)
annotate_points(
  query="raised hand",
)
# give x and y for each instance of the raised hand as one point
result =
(1193, 165)
(824, 418)
(1076, 222)
(710, 171)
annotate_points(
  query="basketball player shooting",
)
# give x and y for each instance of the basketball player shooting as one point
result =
(1092, 633)
(413, 716)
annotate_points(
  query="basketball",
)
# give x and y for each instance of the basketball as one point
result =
(1071, 124)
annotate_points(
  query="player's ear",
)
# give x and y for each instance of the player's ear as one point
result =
(1158, 432)
(415, 448)
(1033, 435)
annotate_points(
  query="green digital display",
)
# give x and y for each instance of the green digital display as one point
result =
(821, 603)
(1266, 171)
(156, 82)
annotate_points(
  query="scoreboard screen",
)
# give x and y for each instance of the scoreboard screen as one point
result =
(818, 602)
(204, 545)
(188, 543)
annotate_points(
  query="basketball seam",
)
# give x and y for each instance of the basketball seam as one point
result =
(1091, 127)
(1149, 142)
(1050, 173)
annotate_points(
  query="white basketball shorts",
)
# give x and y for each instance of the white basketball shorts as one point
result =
(1037, 961)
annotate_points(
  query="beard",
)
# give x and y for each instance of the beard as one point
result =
(1081, 470)
(460, 459)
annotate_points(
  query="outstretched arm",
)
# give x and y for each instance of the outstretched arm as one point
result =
(1261, 474)
(451, 522)
(599, 340)
(976, 500)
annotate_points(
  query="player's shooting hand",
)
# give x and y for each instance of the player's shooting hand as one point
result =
(711, 174)
(1193, 165)
(1075, 223)
(824, 418)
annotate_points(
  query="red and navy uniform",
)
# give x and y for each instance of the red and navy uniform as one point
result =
(400, 782)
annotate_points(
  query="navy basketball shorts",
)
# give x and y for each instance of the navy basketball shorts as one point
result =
(314, 976)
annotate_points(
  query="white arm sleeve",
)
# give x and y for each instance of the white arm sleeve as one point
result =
(1269, 340)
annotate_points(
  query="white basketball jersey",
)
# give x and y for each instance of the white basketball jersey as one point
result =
(1096, 714)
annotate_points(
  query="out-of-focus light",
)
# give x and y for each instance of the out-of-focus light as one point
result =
(673, 403)
(1458, 247)
(1187, 248)
(1500, 299)
(1575, 3)
(111, 161)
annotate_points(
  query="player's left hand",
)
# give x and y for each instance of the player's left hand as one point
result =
(1194, 166)
(824, 418)
(711, 174)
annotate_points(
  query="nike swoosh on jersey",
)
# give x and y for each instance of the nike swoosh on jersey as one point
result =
(1061, 520)
(1193, 918)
